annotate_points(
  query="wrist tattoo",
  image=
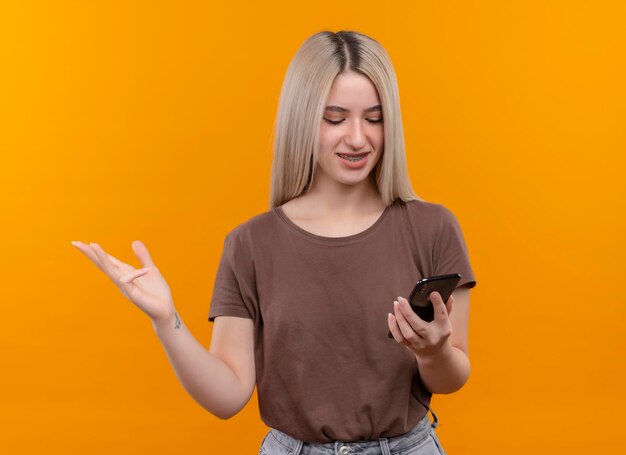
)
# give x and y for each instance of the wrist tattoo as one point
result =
(177, 320)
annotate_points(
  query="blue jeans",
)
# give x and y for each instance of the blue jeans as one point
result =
(421, 440)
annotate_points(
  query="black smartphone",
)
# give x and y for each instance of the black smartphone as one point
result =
(419, 298)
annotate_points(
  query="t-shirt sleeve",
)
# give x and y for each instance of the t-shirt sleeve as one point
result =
(450, 251)
(230, 287)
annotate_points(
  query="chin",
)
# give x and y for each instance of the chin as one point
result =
(353, 181)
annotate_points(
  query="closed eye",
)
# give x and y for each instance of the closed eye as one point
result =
(340, 121)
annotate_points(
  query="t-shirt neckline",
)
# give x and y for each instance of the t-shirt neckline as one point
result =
(278, 210)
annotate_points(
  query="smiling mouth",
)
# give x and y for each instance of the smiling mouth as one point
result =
(352, 157)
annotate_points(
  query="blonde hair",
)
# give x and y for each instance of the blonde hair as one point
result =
(305, 89)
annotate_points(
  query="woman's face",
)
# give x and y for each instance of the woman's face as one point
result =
(354, 106)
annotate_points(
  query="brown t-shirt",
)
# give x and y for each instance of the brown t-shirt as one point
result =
(325, 369)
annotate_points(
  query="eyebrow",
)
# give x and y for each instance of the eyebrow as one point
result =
(376, 108)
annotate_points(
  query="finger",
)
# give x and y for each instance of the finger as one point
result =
(417, 324)
(439, 307)
(130, 276)
(109, 267)
(406, 328)
(122, 266)
(394, 329)
(142, 253)
(88, 251)
(119, 263)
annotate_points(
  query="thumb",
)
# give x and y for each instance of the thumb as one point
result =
(440, 308)
(449, 304)
(142, 253)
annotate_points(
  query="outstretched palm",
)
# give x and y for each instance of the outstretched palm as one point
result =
(145, 287)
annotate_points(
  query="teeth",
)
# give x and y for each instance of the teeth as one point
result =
(351, 158)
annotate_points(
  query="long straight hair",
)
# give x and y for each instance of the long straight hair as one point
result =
(311, 72)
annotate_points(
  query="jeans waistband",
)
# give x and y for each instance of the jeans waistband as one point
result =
(386, 445)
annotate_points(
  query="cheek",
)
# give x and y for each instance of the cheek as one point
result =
(379, 138)
(329, 138)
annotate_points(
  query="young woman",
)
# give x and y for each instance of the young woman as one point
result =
(306, 292)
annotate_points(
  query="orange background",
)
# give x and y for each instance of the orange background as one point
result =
(152, 121)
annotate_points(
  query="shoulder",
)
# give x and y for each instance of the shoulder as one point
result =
(431, 218)
(254, 228)
(426, 212)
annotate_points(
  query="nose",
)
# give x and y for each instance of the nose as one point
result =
(355, 137)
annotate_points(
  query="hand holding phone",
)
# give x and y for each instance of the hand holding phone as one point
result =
(419, 299)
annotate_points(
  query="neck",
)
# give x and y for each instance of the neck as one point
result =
(330, 196)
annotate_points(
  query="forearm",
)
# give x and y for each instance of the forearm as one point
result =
(445, 371)
(209, 381)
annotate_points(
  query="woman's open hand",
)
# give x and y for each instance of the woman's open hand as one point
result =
(418, 336)
(145, 287)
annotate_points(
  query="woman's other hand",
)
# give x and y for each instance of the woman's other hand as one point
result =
(418, 336)
(145, 287)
